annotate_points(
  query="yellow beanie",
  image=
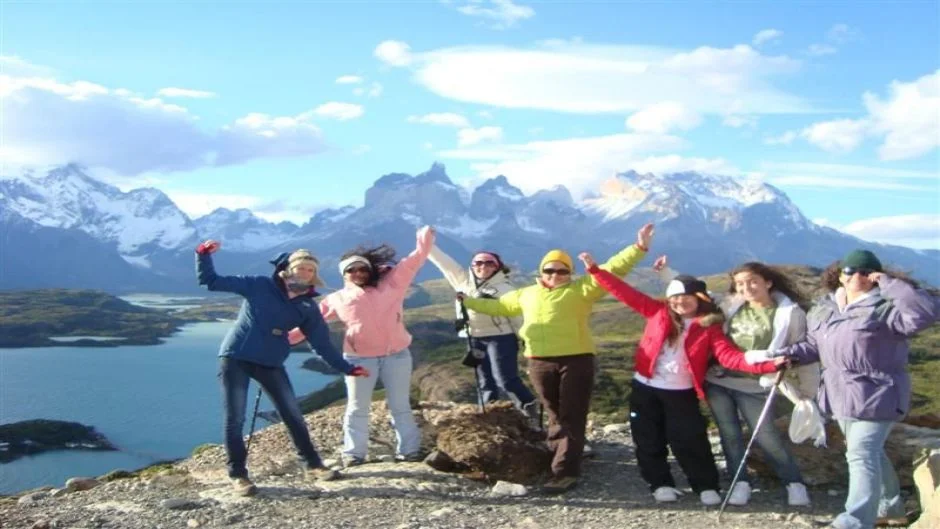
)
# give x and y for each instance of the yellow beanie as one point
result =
(557, 255)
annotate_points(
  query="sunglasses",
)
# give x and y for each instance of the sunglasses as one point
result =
(484, 263)
(556, 271)
(850, 270)
(357, 270)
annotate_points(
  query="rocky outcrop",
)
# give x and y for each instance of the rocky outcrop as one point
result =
(927, 479)
(42, 435)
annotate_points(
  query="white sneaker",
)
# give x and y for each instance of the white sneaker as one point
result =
(797, 495)
(710, 497)
(740, 494)
(666, 494)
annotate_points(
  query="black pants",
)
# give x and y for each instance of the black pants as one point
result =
(564, 385)
(661, 417)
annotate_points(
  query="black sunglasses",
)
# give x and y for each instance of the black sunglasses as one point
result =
(484, 263)
(850, 270)
(556, 271)
(357, 269)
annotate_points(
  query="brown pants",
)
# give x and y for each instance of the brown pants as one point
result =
(564, 385)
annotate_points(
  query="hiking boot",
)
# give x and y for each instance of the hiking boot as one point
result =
(741, 493)
(797, 495)
(533, 414)
(322, 474)
(244, 487)
(352, 461)
(557, 485)
(710, 497)
(414, 457)
(666, 494)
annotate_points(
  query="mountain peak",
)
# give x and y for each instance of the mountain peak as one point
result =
(437, 173)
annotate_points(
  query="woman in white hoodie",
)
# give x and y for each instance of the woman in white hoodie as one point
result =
(488, 277)
(763, 313)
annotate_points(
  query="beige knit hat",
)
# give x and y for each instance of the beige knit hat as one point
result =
(301, 256)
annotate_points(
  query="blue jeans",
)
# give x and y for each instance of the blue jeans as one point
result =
(873, 484)
(725, 404)
(235, 375)
(499, 369)
(395, 372)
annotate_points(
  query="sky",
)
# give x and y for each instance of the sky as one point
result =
(287, 108)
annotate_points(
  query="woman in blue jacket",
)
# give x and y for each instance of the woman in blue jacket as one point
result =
(256, 348)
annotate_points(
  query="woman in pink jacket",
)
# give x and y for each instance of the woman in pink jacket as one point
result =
(370, 305)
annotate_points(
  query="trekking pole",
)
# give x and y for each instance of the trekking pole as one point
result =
(251, 430)
(472, 352)
(768, 404)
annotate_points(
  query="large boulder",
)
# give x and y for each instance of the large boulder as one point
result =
(927, 479)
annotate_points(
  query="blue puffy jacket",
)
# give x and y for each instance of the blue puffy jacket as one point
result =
(267, 313)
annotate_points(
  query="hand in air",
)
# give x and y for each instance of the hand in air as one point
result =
(209, 246)
(587, 259)
(660, 263)
(645, 236)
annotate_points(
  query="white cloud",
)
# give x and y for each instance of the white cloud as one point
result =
(662, 118)
(578, 163)
(18, 67)
(738, 121)
(784, 139)
(114, 129)
(502, 14)
(349, 79)
(485, 114)
(340, 111)
(766, 35)
(822, 182)
(393, 53)
(907, 120)
(448, 119)
(196, 205)
(916, 231)
(818, 50)
(843, 176)
(571, 76)
(849, 171)
(469, 136)
(839, 136)
(185, 92)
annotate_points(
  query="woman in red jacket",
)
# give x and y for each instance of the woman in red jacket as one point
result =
(681, 335)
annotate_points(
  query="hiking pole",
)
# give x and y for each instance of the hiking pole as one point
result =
(254, 416)
(768, 404)
(472, 353)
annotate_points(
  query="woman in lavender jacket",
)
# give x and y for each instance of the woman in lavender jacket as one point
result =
(860, 333)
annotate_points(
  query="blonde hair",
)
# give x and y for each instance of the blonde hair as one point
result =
(298, 257)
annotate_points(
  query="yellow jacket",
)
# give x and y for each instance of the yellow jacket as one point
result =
(555, 321)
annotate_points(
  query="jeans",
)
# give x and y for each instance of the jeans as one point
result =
(235, 375)
(725, 404)
(873, 484)
(395, 372)
(499, 369)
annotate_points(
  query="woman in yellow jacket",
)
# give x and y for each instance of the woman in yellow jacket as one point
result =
(555, 315)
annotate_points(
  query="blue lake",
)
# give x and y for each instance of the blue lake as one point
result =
(153, 402)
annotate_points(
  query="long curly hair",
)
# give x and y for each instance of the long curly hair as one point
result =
(829, 279)
(780, 282)
(379, 257)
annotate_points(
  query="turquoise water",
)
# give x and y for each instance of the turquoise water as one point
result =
(153, 402)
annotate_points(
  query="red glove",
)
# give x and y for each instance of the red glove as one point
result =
(208, 246)
(359, 371)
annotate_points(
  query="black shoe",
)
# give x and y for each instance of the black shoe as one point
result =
(415, 457)
(557, 485)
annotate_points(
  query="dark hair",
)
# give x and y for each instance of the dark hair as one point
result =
(705, 308)
(779, 280)
(499, 260)
(378, 256)
(829, 279)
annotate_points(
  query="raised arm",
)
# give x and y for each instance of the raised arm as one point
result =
(455, 274)
(620, 264)
(620, 289)
(207, 276)
(912, 310)
(406, 270)
(318, 335)
(506, 305)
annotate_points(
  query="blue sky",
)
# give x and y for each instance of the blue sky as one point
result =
(289, 107)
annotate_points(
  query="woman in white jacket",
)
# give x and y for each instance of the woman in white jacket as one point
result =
(488, 277)
(762, 313)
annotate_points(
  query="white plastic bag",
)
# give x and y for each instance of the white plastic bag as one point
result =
(807, 423)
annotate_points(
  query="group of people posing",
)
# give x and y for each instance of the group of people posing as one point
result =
(692, 349)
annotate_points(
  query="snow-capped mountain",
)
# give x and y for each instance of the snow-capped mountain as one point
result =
(141, 241)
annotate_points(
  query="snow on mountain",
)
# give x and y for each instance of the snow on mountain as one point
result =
(242, 231)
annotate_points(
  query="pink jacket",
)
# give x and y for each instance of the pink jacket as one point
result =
(373, 315)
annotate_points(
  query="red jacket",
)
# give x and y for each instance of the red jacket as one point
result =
(705, 336)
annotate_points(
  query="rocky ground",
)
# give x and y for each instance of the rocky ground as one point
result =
(385, 494)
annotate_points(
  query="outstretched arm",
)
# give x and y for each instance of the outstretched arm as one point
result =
(731, 357)
(620, 289)
(620, 264)
(318, 334)
(455, 275)
(206, 274)
(506, 305)
(406, 270)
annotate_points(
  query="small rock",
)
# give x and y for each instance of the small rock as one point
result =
(440, 513)
(192, 522)
(385, 458)
(31, 498)
(233, 518)
(58, 493)
(616, 428)
(44, 524)
(505, 488)
(439, 460)
(330, 463)
(178, 504)
(78, 484)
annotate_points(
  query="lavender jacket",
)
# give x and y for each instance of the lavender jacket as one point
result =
(864, 350)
